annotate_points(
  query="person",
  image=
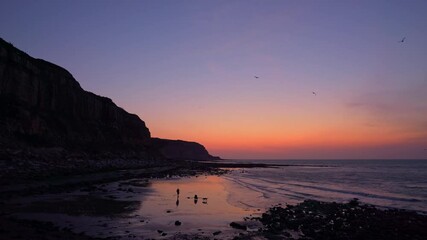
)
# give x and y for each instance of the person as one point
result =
(177, 191)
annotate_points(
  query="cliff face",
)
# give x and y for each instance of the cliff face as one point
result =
(182, 150)
(42, 104)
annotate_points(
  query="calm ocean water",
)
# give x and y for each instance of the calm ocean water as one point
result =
(241, 193)
(385, 183)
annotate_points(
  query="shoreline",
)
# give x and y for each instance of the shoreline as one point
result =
(128, 185)
(96, 183)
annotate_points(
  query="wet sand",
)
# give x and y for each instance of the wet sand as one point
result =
(138, 208)
(146, 205)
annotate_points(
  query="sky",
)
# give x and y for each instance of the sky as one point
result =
(187, 68)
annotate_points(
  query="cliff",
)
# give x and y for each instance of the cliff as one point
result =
(41, 104)
(182, 150)
(46, 115)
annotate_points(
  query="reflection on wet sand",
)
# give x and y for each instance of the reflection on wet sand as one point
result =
(162, 207)
(195, 217)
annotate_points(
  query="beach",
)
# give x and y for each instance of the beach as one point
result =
(128, 204)
(224, 204)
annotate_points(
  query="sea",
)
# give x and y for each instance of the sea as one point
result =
(384, 183)
(208, 203)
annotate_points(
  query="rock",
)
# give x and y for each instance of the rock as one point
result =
(354, 202)
(46, 116)
(216, 233)
(181, 150)
(353, 220)
(237, 225)
(42, 103)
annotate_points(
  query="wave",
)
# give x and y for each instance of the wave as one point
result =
(349, 192)
(299, 191)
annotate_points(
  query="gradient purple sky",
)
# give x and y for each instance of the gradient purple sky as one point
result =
(187, 69)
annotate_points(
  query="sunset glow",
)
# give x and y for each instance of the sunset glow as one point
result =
(187, 69)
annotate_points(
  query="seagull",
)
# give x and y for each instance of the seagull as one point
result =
(314, 93)
(403, 40)
(256, 77)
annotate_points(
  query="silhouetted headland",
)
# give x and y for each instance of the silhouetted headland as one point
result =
(49, 125)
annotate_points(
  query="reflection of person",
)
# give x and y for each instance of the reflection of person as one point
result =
(195, 199)
(177, 197)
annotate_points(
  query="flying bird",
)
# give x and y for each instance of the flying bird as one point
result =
(314, 93)
(256, 77)
(403, 40)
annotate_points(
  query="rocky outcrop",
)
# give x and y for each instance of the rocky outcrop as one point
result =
(181, 150)
(41, 104)
(45, 116)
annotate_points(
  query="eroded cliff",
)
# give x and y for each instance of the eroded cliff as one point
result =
(41, 104)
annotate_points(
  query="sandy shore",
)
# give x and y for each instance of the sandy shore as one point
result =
(112, 204)
(144, 204)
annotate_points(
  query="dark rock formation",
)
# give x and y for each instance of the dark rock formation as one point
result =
(330, 220)
(41, 104)
(238, 225)
(181, 150)
(49, 125)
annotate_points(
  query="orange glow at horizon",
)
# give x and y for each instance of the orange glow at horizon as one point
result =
(277, 134)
